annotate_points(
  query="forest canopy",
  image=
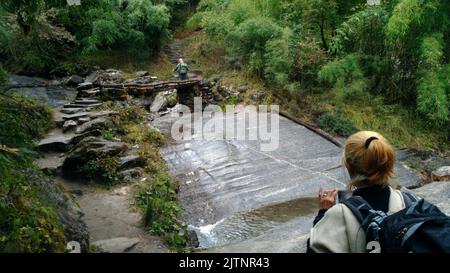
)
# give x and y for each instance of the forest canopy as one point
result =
(35, 35)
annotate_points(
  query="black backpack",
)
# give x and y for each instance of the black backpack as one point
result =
(419, 228)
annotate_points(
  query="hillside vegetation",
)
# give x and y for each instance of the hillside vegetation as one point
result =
(382, 67)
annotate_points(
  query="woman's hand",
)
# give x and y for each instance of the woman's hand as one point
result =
(327, 199)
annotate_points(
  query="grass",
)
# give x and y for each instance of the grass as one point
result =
(157, 197)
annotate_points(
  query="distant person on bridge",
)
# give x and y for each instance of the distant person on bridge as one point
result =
(182, 69)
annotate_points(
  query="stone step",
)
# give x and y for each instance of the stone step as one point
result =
(86, 101)
(116, 245)
(70, 111)
(131, 161)
(81, 105)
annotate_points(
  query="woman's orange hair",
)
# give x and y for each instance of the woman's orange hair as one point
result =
(370, 158)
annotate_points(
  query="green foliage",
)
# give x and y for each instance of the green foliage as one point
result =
(14, 110)
(27, 222)
(362, 32)
(249, 40)
(337, 124)
(292, 61)
(397, 50)
(162, 209)
(433, 95)
(345, 75)
(102, 170)
(138, 26)
(3, 75)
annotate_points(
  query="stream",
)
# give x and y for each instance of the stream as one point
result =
(240, 199)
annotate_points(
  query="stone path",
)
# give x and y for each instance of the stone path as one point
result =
(113, 222)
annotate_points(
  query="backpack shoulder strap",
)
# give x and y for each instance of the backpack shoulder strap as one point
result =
(359, 207)
(409, 198)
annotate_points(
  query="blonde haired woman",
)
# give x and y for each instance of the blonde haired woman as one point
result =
(369, 159)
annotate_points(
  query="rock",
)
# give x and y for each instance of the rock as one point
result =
(441, 174)
(128, 175)
(76, 192)
(116, 245)
(102, 114)
(159, 104)
(89, 93)
(69, 213)
(70, 111)
(131, 161)
(258, 96)
(58, 143)
(77, 138)
(75, 116)
(83, 120)
(85, 86)
(114, 94)
(143, 102)
(437, 193)
(69, 125)
(74, 81)
(193, 239)
(81, 105)
(406, 177)
(86, 149)
(63, 142)
(51, 163)
(140, 74)
(93, 77)
(97, 123)
(84, 101)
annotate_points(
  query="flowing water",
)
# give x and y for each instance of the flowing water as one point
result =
(241, 199)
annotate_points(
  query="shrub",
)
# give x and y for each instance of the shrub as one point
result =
(139, 26)
(345, 75)
(14, 109)
(102, 169)
(337, 124)
(249, 40)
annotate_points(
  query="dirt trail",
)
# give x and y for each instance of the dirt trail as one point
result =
(113, 221)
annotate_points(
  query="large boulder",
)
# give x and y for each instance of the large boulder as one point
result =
(437, 193)
(69, 213)
(87, 149)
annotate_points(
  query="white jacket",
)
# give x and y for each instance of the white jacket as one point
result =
(340, 232)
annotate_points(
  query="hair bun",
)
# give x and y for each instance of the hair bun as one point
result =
(369, 140)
